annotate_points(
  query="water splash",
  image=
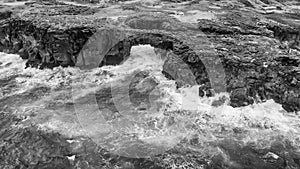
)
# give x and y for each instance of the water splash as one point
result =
(175, 117)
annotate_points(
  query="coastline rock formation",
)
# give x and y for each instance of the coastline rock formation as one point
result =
(248, 48)
(259, 53)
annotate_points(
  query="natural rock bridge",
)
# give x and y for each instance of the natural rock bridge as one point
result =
(113, 53)
(233, 46)
(245, 60)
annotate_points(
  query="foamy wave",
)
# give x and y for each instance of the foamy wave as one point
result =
(176, 115)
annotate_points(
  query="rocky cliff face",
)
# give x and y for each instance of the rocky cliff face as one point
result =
(260, 54)
(241, 47)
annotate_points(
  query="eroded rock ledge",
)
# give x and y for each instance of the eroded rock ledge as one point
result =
(259, 55)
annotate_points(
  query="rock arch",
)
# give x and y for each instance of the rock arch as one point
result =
(121, 51)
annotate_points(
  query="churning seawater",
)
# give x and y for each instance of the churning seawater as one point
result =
(149, 118)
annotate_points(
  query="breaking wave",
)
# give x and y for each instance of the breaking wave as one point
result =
(78, 102)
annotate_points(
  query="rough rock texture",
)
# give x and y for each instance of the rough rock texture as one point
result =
(31, 148)
(49, 36)
(258, 66)
(260, 54)
(122, 50)
(243, 50)
(250, 46)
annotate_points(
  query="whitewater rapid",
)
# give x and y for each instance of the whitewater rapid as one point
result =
(176, 115)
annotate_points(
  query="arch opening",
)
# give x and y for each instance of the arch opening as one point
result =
(181, 58)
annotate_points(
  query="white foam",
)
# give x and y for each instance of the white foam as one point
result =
(182, 113)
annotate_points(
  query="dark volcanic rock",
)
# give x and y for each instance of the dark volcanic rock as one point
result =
(21, 147)
(248, 156)
(121, 52)
(255, 57)
(261, 58)
(31, 148)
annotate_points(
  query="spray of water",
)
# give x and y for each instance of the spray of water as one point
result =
(175, 115)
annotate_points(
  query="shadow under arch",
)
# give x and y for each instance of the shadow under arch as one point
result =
(121, 52)
(112, 47)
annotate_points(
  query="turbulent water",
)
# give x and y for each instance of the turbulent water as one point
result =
(133, 110)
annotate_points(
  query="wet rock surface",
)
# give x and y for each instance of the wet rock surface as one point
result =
(243, 49)
(260, 53)
(28, 147)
